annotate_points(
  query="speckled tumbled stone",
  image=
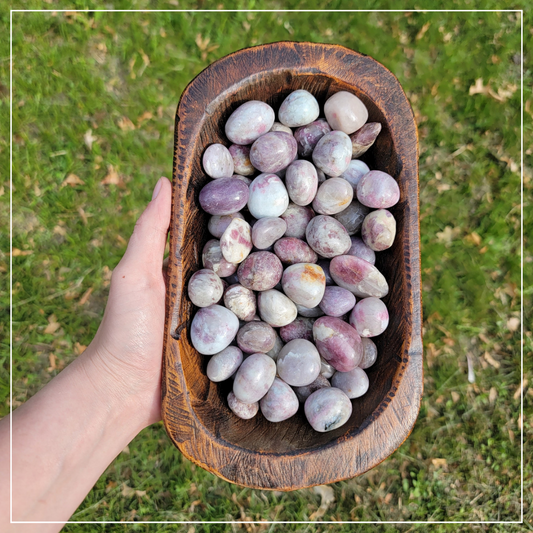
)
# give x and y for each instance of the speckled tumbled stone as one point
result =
(308, 136)
(369, 317)
(260, 271)
(279, 403)
(266, 231)
(224, 364)
(218, 162)
(333, 153)
(212, 258)
(304, 392)
(379, 230)
(364, 138)
(224, 196)
(370, 353)
(241, 409)
(241, 160)
(304, 284)
(333, 196)
(291, 250)
(345, 112)
(337, 301)
(361, 250)
(205, 288)
(327, 236)
(355, 171)
(249, 121)
(278, 126)
(353, 383)
(327, 409)
(273, 151)
(241, 301)
(298, 109)
(352, 217)
(275, 308)
(236, 241)
(301, 181)
(213, 328)
(256, 337)
(299, 328)
(218, 223)
(268, 196)
(298, 363)
(254, 377)
(378, 190)
(297, 218)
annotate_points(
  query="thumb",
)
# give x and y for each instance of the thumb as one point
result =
(147, 243)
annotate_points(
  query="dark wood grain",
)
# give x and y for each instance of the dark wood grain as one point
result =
(291, 455)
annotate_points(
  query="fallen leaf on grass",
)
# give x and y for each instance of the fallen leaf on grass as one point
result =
(16, 252)
(493, 394)
(501, 95)
(110, 486)
(513, 323)
(125, 124)
(474, 238)
(447, 235)
(490, 360)
(126, 491)
(85, 297)
(79, 349)
(72, 180)
(438, 462)
(89, 139)
(52, 359)
(423, 30)
(327, 497)
(53, 325)
(455, 397)
(518, 391)
(83, 216)
(112, 177)
(145, 116)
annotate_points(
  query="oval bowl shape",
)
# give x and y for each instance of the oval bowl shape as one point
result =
(290, 455)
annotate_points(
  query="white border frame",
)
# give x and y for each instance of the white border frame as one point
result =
(521, 11)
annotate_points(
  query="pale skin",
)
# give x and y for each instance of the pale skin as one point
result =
(68, 433)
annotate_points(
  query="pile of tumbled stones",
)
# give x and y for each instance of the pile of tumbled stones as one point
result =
(289, 296)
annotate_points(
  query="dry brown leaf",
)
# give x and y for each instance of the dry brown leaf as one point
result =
(88, 139)
(513, 323)
(493, 394)
(112, 177)
(83, 216)
(72, 180)
(447, 235)
(455, 397)
(53, 325)
(16, 252)
(140, 493)
(423, 30)
(86, 295)
(474, 238)
(2, 190)
(125, 124)
(79, 348)
(52, 359)
(145, 116)
(518, 391)
(327, 497)
(126, 491)
(490, 360)
(60, 230)
(388, 498)
(110, 486)
(438, 462)
(126, 450)
(477, 88)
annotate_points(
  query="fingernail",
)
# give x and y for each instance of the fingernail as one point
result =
(157, 188)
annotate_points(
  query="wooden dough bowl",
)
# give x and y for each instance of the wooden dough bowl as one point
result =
(291, 455)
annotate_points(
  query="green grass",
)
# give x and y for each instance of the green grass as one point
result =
(74, 73)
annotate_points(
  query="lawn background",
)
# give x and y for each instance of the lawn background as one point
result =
(94, 98)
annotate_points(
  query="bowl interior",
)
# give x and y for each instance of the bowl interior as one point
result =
(208, 400)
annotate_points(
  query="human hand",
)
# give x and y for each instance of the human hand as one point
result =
(124, 359)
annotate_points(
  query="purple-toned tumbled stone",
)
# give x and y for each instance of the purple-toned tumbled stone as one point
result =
(355, 171)
(224, 196)
(333, 153)
(298, 363)
(352, 217)
(369, 317)
(301, 181)
(333, 196)
(337, 301)
(244, 179)
(241, 160)
(304, 392)
(378, 189)
(299, 328)
(309, 312)
(278, 126)
(241, 301)
(364, 138)
(224, 364)
(241, 409)
(345, 112)
(260, 271)
(297, 218)
(326, 369)
(212, 258)
(232, 279)
(338, 343)
(279, 403)
(291, 250)
(361, 250)
(327, 409)
(266, 231)
(379, 230)
(236, 241)
(298, 109)
(370, 353)
(308, 136)
(278, 345)
(327, 236)
(324, 265)
(205, 288)
(218, 223)
(273, 151)
(213, 328)
(321, 176)
(254, 377)
(304, 284)
(353, 383)
(268, 196)
(256, 337)
(249, 121)
(358, 276)
(217, 161)
(275, 308)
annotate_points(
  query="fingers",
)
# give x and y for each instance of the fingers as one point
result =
(147, 243)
